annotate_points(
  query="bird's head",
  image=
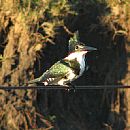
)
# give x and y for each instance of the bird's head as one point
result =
(80, 47)
(79, 50)
(75, 46)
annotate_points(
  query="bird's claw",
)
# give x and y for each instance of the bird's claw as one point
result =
(70, 87)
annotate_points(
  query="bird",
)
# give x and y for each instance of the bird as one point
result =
(67, 69)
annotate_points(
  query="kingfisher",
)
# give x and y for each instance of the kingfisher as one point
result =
(68, 69)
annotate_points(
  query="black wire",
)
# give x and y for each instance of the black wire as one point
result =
(64, 87)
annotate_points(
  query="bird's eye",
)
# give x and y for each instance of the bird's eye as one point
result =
(76, 47)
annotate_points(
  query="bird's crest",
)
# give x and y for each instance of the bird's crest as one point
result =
(74, 41)
(75, 38)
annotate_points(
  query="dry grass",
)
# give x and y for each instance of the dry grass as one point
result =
(22, 21)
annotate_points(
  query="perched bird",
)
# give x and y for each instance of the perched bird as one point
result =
(68, 69)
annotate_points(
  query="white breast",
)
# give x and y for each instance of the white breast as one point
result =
(71, 76)
(80, 56)
(81, 60)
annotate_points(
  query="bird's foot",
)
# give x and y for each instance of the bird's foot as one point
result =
(67, 87)
(71, 87)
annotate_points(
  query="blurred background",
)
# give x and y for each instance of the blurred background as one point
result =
(34, 34)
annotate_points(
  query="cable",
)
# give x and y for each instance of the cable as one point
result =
(64, 87)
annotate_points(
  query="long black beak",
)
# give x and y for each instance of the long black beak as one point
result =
(88, 48)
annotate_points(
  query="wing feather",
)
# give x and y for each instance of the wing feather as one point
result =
(56, 72)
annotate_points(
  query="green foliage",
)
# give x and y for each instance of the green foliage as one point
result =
(52, 14)
(58, 8)
(55, 14)
(46, 15)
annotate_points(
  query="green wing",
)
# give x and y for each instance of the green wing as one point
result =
(58, 70)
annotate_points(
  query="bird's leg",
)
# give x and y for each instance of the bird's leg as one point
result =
(67, 87)
(71, 87)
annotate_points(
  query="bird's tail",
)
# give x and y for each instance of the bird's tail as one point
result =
(37, 80)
